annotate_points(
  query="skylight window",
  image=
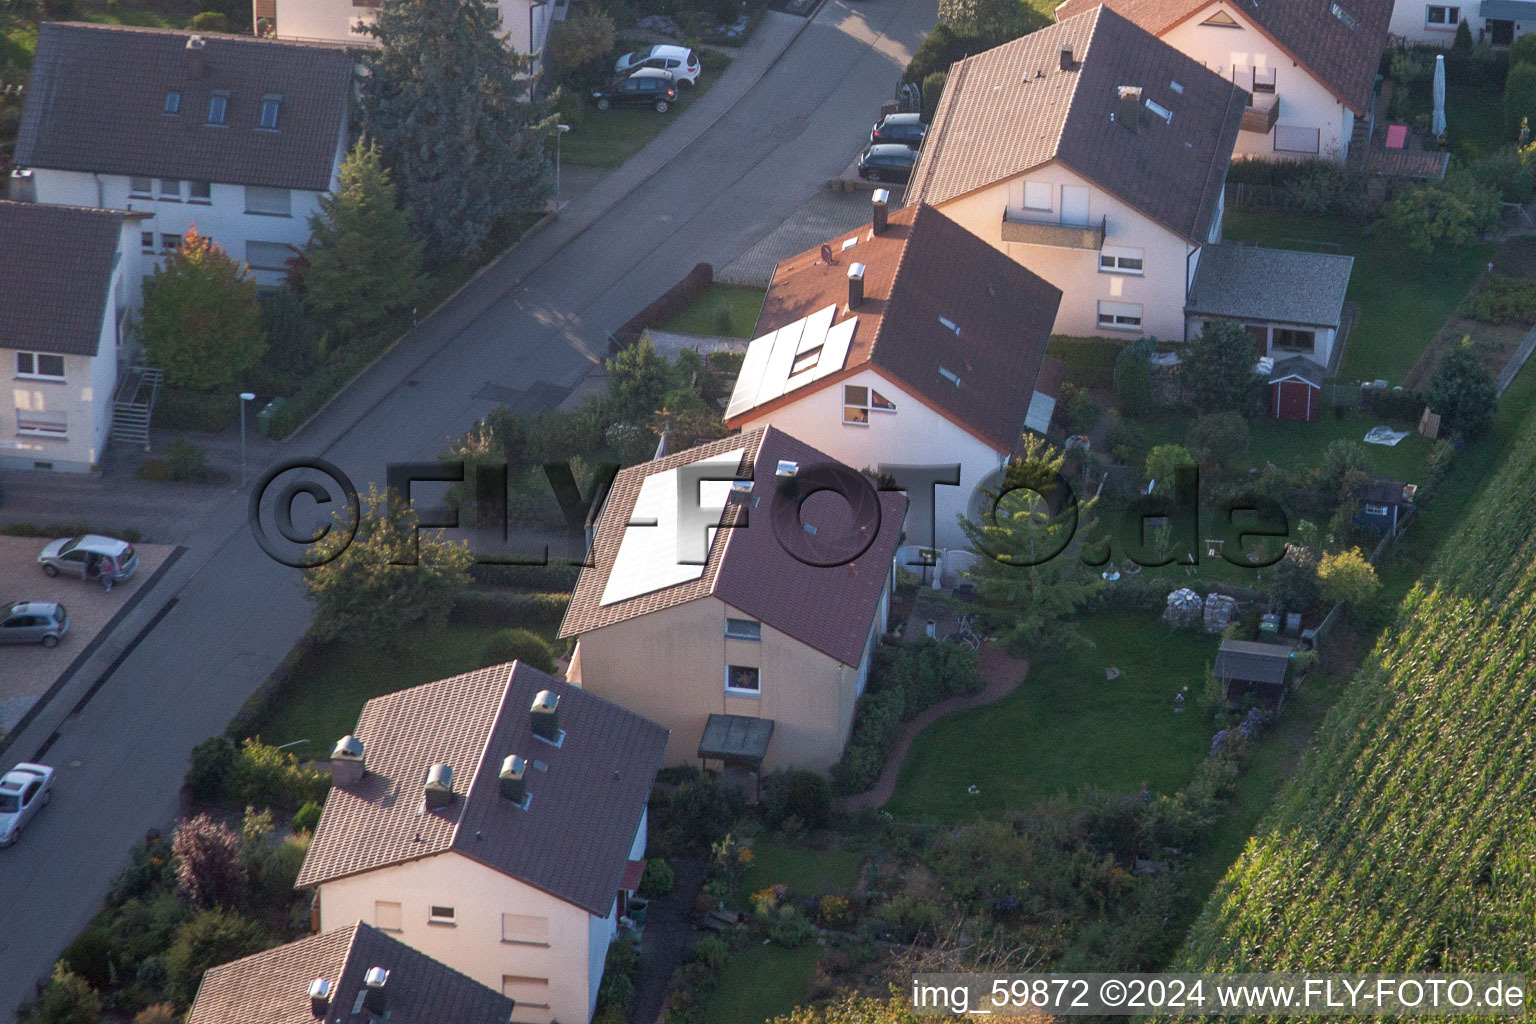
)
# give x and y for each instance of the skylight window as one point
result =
(1160, 110)
(172, 102)
(947, 322)
(1344, 16)
(806, 360)
(850, 243)
(218, 108)
(950, 375)
(270, 106)
(1177, 87)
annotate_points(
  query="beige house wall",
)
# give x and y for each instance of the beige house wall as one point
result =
(670, 666)
(1168, 259)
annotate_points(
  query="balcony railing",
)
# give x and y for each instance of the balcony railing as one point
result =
(1261, 119)
(1063, 236)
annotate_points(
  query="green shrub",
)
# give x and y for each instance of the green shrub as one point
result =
(486, 608)
(210, 413)
(658, 880)
(712, 951)
(1506, 173)
(619, 970)
(209, 21)
(1522, 50)
(1076, 411)
(933, 92)
(307, 817)
(1504, 300)
(156, 471)
(211, 938)
(90, 956)
(796, 793)
(791, 930)
(686, 821)
(213, 762)
(1090, 361)
(189, 463)
(518, 645)
(68, 999)
(264, 776)
(876, 721)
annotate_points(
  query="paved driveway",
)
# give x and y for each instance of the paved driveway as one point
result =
(525, 331)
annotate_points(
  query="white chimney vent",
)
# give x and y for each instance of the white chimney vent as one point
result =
(319, 998)
(439, 788)
(787, 469)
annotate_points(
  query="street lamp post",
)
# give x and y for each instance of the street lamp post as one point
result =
(560, 129)
(245, 396)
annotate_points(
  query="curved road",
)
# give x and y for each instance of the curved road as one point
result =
(523, 332)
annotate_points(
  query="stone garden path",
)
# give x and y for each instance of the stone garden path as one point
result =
(1001, 674)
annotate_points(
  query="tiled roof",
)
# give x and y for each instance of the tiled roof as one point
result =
(55, 271)
(586, 796)
(1249, 282)
(273, 987)
(1256, 662)
(1342, 56)
(829, 609)
(96, 103)
(1013, 108)
(922, 268)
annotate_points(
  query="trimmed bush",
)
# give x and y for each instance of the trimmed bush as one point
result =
(519, 645)
(264, 776)
(307, 817)
(658, 880)
(213, 762)
(796, 793)
(489, 608)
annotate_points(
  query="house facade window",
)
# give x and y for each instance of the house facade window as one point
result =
(387, 916)
(270, 202)
(268, 256)
(523, 930)
(1264, 81)
(440, 915)
(743, 629)
(1037, 195)
(1115, 260)
(1120, 316)
(45, 365)
(859, 401)
(1437, 16)
(170, 243)
(199, 192)
(529, 993)
(170, 190)
(1375, 510)
(42, 424)
(1294, 340)
(744, 680)
(1290, 138)
(141, 188)
(147, 241)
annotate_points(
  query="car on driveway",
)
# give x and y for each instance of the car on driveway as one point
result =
(647, 87)
(902, 129)
(887, 162)
(23, 790)
(33, 622)
(680, 60)
(81, 556)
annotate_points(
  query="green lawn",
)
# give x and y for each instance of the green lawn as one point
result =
(607, 138)
(335, 681)
(1404, 298)
(1068, 727)
(1473, 117)
(806, 872)
(760, 983)
(726, 310)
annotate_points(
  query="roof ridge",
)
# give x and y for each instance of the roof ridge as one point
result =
(167, 30)
(1077, 82)
(901, 263)
(755, 452)
(947, 99)
(485, 747)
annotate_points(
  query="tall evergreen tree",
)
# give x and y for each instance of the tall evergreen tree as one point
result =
(364, 262)
(446, 103)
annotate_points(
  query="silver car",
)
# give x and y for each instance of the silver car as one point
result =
(33, 622)
(23, 790)
(81, 556)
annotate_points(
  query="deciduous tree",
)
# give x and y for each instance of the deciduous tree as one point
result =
(209, 868)
(1347, 578)
(1431, 215)
(1461, 390)
(200, 321)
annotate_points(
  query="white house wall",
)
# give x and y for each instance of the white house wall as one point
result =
(1235, 53)
(1167, 257)
(1410, 20)
(913, 435)
(338, 19)
(473, 944)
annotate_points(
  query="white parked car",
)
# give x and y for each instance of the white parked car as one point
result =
(80, 556)
(681, 61)
(23, 790)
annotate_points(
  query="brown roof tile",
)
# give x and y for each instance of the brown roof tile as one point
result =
(273, 987)
(923, 267)
(1012, 108)
(96, 98)
(56, 267)
(1342, 57)
(586, 796)
(829, 609)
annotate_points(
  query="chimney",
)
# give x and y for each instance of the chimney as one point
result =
(1128, 109)
(514, 787)
(439, 789)
(855, 286)
(375, 983)
(22, 190)
(196, 62)
(546, 716)
(1066, 58)
(880, 201)
(319, 998)
(347, 764)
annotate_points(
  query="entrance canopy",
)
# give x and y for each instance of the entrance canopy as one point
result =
(736, 739)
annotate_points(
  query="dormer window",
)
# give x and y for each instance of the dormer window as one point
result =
(218, 108)
(172, 102)
(270, 106)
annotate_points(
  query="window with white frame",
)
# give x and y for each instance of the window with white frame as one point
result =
(271, 105)
(1119, 260)
(523, 930)
(1375, 510)
(440, 915)
(1037, 195)
(1439, 16)
(199, 192)
(268, 256)
(218, 107)
(743, 679)
(147, 241)
(387, 916)
(859, 401)
(170, 243)
(141, 188)
(170, 190)
(42, 424)
(40, 364)
(1120, 316)
(271, 202)
(743, 629)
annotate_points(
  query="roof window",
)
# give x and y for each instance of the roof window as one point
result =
(218, 107)
(172, 102)
(1160, 110)
(1344, 16)
(270, 107)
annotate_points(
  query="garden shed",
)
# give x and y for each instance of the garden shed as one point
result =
(1248, 669)
(1295, 390)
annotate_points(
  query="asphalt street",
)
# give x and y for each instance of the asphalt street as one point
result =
(522, 333)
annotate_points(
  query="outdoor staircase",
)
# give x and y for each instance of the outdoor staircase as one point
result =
(134, 404)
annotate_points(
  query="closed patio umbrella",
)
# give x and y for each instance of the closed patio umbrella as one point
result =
(1437, 119)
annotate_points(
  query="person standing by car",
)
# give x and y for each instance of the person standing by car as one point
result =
(103, 569)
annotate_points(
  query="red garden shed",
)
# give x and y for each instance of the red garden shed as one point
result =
(1296, 390)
